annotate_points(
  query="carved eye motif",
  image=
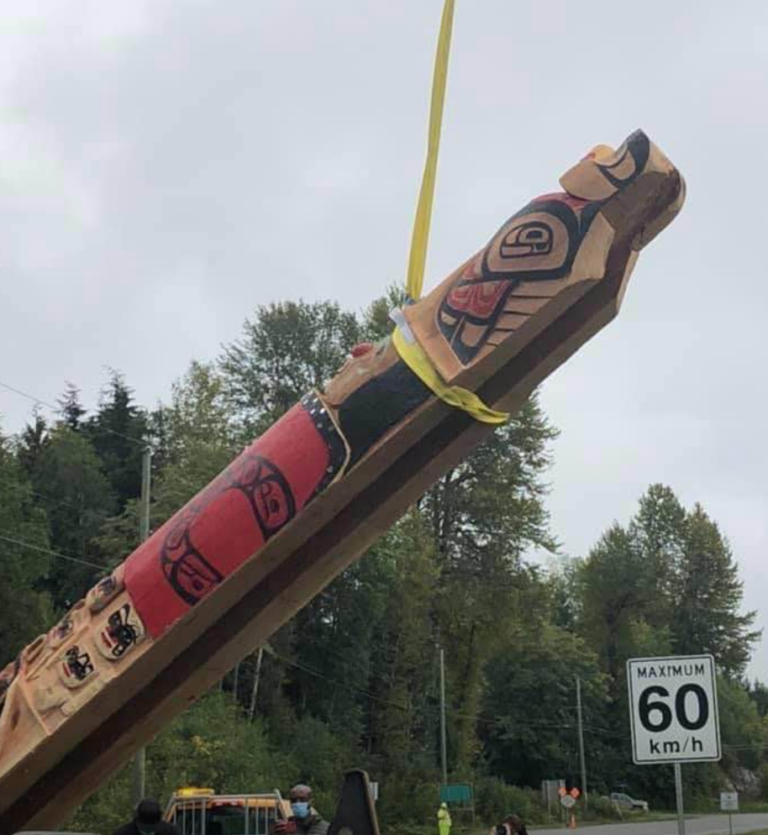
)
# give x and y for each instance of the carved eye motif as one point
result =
(124, 630)
(533, 238)
(268, 491)
(272, 503)
(191, 576)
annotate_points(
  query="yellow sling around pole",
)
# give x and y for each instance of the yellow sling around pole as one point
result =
(416, 359)
(409, 350)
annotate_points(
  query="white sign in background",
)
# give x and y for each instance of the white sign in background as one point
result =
(673, 707)
(729, 801)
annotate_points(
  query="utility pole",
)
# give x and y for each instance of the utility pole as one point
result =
(237, 681)
(255, 691)
(443, 746)
(582, 758)
(140, 761)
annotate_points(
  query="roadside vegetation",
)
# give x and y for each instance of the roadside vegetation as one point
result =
(353, 680)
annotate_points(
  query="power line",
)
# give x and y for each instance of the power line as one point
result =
(424, 709)
(756, 745)
(66, 552)
(57, 554)
(47, 497)
(57, 409)
(345, 685)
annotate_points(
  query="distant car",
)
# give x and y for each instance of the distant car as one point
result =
(624, 801)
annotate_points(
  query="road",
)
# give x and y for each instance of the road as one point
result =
(704, 825)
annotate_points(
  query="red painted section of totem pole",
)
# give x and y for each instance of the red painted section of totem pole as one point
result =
(227, 522)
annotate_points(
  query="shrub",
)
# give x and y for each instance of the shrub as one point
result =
(495, 799)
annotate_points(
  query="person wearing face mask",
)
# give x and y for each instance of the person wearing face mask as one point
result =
(304, 820)
(148, 820)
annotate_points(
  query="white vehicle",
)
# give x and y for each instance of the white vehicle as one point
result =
(624, 801)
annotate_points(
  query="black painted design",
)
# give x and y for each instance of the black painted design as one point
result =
(121, 631)
(575, 228)
(185, 567)
(638, 146)
(337, 451)
(378, 405)
(107, 587)
(63, 628)
(187, 571)
(78, 663)
(267, 491)
(481, 301)
(532, 238)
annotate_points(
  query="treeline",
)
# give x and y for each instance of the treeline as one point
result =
(353, 679)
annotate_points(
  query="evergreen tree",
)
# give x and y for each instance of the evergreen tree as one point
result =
(743, 731)
(70, 407)
(659, 529)
(77, 499)
(199, 439)
(24, 561)
(707, 615)
(617, 583)
(194, 444)
(118, 434)
(531, 729)
(564, 583)
(668, 584)
(333, 642)
(33, 440)
(758, 692)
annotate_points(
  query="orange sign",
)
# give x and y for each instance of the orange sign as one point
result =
(574, 793)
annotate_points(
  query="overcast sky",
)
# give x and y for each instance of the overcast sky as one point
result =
(166, 166)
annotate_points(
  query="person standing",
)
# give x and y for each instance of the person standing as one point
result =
(511, 825)
(444, 820)
(148, 820)
(304, 820)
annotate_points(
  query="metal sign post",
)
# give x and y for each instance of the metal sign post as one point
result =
(679, 798)
(729, 802)
(673, 714)
(568, 801)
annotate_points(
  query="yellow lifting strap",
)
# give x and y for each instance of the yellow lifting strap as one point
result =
(420, 237)
(416, 359)
(410, 351)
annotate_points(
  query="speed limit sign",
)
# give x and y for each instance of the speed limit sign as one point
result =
(673, 707)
